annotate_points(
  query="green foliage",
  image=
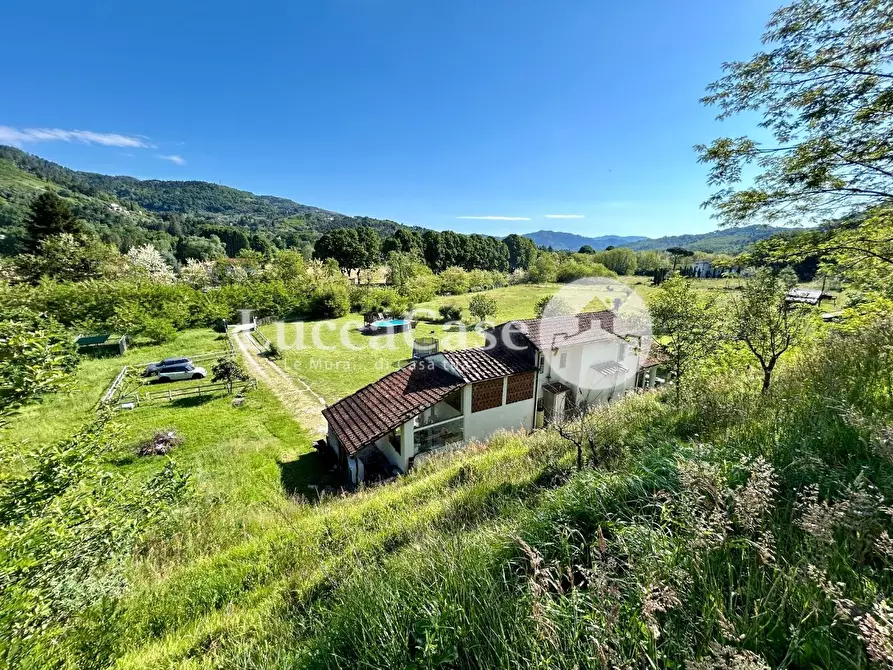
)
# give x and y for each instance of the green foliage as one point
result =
(453, 281)
(36, 357)
(404, 240)
(687, 326)
(68, 528)
(552, 305)
(522, 251)
(229, 371)
(157, 330)
(823, 89)
(330, 301)
(765, 322)
(450, 312)
(482, 306)
(352, 248)
(50, 215)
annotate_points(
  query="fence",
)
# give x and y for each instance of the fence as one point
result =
(169, 395)
(114, 388)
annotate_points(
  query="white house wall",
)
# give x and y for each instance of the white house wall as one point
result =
(481, 425)
(589, 385)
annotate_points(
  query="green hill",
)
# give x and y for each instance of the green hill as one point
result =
(730, 241)
(127, 210)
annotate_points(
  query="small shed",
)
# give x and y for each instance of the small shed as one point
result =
(808, 296)
(101, 344)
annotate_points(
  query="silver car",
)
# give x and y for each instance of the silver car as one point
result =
(179, 372)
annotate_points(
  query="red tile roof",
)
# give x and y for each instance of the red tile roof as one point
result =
(482, 363)
(564, 331)
(371, 412)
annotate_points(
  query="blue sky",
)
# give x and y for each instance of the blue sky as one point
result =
(413, 110)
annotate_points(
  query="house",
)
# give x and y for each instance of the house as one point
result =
(702, 269)
(530, 371)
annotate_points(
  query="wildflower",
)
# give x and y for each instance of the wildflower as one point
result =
(756, 498)
(657, 599)
(876, 631)
(724, 657)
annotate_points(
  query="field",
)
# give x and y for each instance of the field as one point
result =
(241, 459)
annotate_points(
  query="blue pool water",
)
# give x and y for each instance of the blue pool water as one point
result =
(390, 323)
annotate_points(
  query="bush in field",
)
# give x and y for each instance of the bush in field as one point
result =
(330, 302)
(544, 269)
(157, 330)
(453, 281)
(575, 269)
(421, 288)
(552, 305)
(482, 306)
(369, 300)
(228, 371)
(450, 312)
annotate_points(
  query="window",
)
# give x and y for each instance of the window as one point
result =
(520, 387)
(486, 395)
(562, 360)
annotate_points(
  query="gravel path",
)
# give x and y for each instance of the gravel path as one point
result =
(302, 401)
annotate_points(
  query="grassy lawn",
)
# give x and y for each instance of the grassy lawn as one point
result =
(241, 459)
(348, 360)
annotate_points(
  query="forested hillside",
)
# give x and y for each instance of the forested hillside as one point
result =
(727, 241)
(127, 211)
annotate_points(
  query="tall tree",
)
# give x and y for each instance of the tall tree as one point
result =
(764, 320)
(49, 215)
(824, 89)
(403, 240)
(685, 324)
(522, 251)
(369, 247)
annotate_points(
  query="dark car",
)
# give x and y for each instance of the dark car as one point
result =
(153, 368)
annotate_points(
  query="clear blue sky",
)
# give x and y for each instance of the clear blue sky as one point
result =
(413, 110)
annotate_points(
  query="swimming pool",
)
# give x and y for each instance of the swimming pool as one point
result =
(395, 325)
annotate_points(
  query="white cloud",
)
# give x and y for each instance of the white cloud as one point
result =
(19, 136)
(173, 158)
(565, 216)
(496, 218)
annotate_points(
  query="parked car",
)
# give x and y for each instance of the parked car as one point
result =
(175, 373)
(153, 368)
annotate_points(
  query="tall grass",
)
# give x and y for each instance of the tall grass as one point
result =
(733, 531)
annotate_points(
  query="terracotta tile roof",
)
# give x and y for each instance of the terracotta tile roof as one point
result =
(563, 331)
(656, 355)
(374, 410)
(482, 363)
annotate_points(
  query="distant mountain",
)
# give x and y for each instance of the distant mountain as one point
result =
(570, 242)
(728, 241)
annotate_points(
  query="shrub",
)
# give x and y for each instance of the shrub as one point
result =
(157, 330)
(453, 281)
(421, 288)
(330, 302)
(450, 312)
(482, 306)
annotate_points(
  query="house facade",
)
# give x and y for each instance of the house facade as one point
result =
(529, 373)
